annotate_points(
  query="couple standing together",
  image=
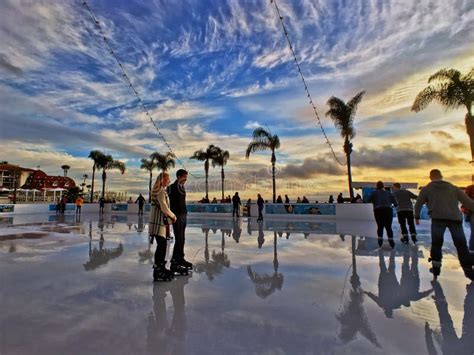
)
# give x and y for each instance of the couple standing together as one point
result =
(168, 207)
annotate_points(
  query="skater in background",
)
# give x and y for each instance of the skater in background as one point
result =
(160, 217)
(340, 199)
(101, 205)
(279, 199)
(260, 204)
(331, 199)
(236, 203)
(79, 203)
(177, 193)
(441, 198)
(249, 205)
(141, 202)
(383, 201)
(405, 212)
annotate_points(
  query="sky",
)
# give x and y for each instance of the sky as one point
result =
(212, 71)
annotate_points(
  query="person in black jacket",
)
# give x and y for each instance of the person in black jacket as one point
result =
(236, 204)
(177, 196)
(260, 204)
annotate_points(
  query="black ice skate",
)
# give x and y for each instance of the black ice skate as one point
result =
(186, 264)
(161, 273)
(436, 268)
(404, 239)
(391, 242)
(178, 269)
(413, 238)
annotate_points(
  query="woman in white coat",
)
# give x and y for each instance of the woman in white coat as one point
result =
(160, 217)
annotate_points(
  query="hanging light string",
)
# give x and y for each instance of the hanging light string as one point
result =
(132, 87)
(308, 94)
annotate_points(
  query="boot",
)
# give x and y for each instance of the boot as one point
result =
(177, 268)
(413, 238)
(404, 239)
(436, 268)
(380, 241)
(186, 264)
(161, 273)
(391, 242)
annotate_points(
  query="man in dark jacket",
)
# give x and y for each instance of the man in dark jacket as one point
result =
(383, 201)
(442, 199)
(236, 203)
(405, 211)
(141, 202)
(177, 196)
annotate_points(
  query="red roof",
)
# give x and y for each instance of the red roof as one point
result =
(40, 180)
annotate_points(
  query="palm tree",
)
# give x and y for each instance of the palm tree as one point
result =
(65, 169)
(264, 140)
(163, 161)
(452, 90)
(95, 155)
(107, 162)
(148, 165)
(342, 115)
(206, 155)
(221, 160)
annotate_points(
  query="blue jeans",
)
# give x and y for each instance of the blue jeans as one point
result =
(471, 239)
(438, 227)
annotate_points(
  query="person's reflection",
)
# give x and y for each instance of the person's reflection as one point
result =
(219, 259)
(410, 279)
(162, 337)
(261, 236)
(353, 318)
(140, 226)
(447, 338)
(249, 226)
(389, 289)
(393, 295)
(266, 284)
(237, 229)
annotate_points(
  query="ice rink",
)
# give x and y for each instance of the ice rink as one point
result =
(84, 286)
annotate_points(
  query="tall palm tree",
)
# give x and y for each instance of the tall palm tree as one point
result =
(163, 161)
(452, 90)
(95, 155)
(264, 140)
(148, 165)
(221, 159)
(65, 169)
(107, 162)
(342, 115)
(206, 155)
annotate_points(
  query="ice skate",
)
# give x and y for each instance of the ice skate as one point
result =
(186, 264)
(161, 273)
(178, 269)
(404, 239)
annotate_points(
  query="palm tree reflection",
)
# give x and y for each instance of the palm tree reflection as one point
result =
(266, 284)
(219, 259)
(353, 318)
(100, 256)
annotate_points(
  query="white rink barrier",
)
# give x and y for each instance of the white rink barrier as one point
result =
(355, 211)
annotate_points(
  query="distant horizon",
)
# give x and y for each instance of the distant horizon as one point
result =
(210, 73)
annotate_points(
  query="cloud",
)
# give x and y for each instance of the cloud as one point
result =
(9, 67)
(442, 135)
(311, 168)
(252, 125)
(400, 157)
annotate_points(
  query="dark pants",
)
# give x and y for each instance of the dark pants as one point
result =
(260, 215)
(384, 217)
(179, 228)
(405, 217)
(236, 211)
(438, 227)
(78, 209)
(160, 252)
(140, 209)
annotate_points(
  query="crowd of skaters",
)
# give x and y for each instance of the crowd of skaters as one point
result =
(442, 199)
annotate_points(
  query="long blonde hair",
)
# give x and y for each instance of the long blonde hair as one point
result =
(159, 182)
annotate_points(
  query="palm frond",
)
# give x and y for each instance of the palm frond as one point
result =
(147, 165)
(261, 132)
(257, 146)
(199, 155)
(445, 74)
(424, 98)
(118, 165)
(275, 142)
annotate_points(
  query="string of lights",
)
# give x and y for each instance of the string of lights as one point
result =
(308, 94)
(127, 79)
